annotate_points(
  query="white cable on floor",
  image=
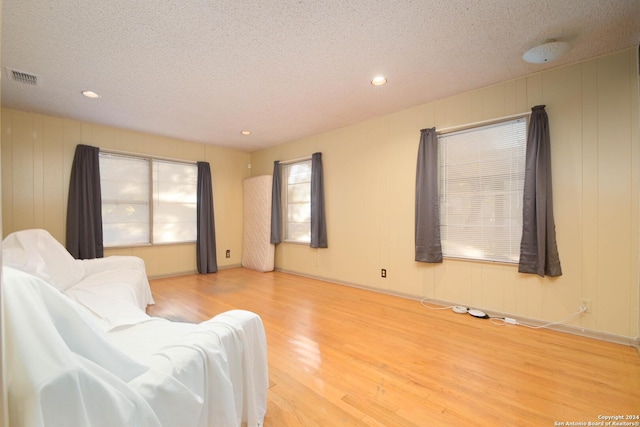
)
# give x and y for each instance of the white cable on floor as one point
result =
(501, 320)
(435, 308)
(552, 323)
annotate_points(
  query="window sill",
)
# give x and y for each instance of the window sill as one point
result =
(148, 245)
(483, 261)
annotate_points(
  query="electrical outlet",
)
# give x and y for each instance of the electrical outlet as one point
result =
(228, 254)
(383, 272)
(585, 305)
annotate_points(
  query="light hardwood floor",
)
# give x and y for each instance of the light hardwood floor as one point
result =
(342, 356)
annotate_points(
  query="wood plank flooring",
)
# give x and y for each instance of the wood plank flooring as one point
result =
(342, 356)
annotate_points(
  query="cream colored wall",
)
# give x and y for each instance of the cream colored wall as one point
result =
(4, 416)
(37, 153)
(370, 182)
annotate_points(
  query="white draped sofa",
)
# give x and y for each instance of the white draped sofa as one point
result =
(80, 349)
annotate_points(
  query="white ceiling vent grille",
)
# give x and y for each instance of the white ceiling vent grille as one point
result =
(22, 77)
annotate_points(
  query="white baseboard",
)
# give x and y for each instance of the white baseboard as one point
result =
(569, 329)
(194, 271)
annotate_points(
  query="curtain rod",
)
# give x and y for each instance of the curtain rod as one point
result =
(482, 122)
(147, 156)
(301, 159)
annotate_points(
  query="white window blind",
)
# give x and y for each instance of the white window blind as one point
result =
(147, 200)
(175, 187)
(125, 199)
(298, 201)
(481, 175)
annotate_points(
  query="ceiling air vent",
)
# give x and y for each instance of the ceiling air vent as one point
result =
(22, 77)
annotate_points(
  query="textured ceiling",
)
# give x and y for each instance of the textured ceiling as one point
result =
(205, 70)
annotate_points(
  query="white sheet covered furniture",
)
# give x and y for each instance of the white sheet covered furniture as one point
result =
(116, 286)
(76, 360)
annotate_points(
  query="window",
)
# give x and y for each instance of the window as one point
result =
(175, 188)
(481, 176)
(297, 201)
(125, 200)
(147, 200)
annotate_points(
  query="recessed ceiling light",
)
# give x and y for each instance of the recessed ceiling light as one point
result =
(90, 94)
(378, 81)
(245, 132)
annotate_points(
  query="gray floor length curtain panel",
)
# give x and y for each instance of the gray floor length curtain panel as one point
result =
(84, 207)
(276, 204)
(538, 247)
(206, 234)
(318, 218)
(427, 216)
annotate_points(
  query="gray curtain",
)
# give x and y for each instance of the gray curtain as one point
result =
(427, 216)
(206, 234)
(276, 204)
(318, 219)
(84, 207)
(538, 248)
